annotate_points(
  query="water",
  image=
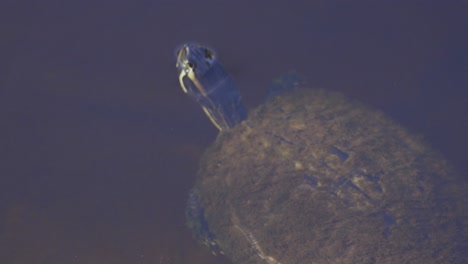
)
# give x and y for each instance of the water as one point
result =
(100, 146)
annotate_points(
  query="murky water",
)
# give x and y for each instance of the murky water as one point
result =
(100, 146)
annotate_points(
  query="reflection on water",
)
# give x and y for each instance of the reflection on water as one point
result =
(100, 146)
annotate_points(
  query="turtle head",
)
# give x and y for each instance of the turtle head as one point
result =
(203, 78)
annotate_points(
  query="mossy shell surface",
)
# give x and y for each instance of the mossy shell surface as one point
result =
(312, 177)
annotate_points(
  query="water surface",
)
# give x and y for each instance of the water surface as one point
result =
(99, 146)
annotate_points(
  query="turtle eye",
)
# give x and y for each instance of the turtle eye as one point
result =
(208, 54)
(209, 57)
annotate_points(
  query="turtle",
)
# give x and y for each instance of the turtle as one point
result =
(310, 176)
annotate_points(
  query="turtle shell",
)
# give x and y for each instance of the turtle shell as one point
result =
(312, 177)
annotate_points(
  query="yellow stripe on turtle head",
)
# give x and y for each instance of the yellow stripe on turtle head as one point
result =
(213, 120)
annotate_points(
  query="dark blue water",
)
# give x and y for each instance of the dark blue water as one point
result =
(99, 146)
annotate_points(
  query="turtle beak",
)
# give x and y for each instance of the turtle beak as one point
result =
(182, 65)
(181, 53)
